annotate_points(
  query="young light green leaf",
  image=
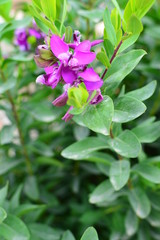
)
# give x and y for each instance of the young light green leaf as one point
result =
(90, 234)
(63, 14)
(49, 9)
(116, 19)
(118, 8)
(68, 34)
(131, 223)
(110, 31)
(134, 25)
(120, 68)
(3, 215)
(127, 109)
(145, 92)
(119, 173)
(148, 171)
(139, 202)
(13, 228)
(98, 118)
(82, 148)
(138, 7)
(102, 57)
(126, 144)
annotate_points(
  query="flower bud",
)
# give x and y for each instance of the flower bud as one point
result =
(42, 63)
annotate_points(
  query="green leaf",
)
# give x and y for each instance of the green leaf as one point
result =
(49, 161)
(64, 12)
(148, 171)
(90, 234)
(154, 219)
(119, 173)
(77, 96)
(4, 1)
(49, 9)
(3, 215)
(3, 194)
(21, 57)
(126, 144)
(43, 232)
(80, 149)
(98, 118)
(9, 84)
(43, 111)
(109, 48)
(145, 92)
(81, 132)
(138, 7)
(68, 34)
(103, 193)
(147, 132)
(139, 202)
(6, 134)
(8, 164)
(120, 68)
(24, 209)
(127, 109)
(118, 8)
(95, 15)
(116, 19)
(68, 236)
(15, 200)
(31, 188)
(134, 25)
(129, 41)
(102, 57)
(13, 228)
(110, 31)
(131, 223)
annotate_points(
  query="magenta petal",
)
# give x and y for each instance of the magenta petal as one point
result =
(97, 98)
(33, 32)
(68, 75)
(58, 46)
(84, 58)
(93, 85)
(50, 69)
(84, 46)
(90, 75)
(96, 42)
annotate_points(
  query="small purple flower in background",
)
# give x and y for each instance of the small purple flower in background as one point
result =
(70, 68)
(21, 39)
(22, 36)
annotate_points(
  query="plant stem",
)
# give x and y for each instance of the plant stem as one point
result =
(112, 58)
(16, 117)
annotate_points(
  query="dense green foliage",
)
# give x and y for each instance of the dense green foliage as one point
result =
(101, 169)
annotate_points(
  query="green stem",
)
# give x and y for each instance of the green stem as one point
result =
(21, 137)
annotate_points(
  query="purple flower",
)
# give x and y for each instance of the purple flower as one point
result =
(33, 32)
(68, 116)
(62, 99)
(52, 76)
(21, 39)
(97, 98)
(91, 79)
(81, 56)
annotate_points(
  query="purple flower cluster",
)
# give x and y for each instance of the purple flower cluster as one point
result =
(68, 64)
(22, 36)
